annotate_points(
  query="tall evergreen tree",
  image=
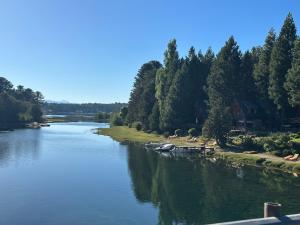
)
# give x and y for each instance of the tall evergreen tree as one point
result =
(281, 59)
(261, 70)
(292, 84)
(186, 97)
(164, 79)
(142, 97)
(223, 89)
(247, 85)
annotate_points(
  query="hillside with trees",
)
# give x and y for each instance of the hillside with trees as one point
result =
(258, 89)
(18, 105)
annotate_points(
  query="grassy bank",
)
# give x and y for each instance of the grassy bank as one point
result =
(262, 160)
(123, 133)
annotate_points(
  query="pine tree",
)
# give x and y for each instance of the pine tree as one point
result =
(261, 70)
(164, 79)
(223, 89)
(292, 84)
(154, 118)
(247, 86)
(177, 107)
(186, 97)
(281, 59)
(142, 97)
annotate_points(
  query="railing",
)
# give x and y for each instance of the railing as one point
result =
(271, 216)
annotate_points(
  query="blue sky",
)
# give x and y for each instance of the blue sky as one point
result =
(90, 50)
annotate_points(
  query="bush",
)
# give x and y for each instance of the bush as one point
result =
(278, 142)
(247, 142)
(116, 120)
(179, 132)
(192, 132)
(137, 125)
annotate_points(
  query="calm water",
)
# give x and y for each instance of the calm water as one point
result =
(67, 175)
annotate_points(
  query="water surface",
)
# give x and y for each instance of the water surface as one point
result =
(65, 174)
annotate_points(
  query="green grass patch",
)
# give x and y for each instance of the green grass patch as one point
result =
(297, 140)
(124, 133)
(240, 158)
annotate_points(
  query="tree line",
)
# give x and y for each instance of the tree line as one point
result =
(85, 108)
(217, 93)
(18, 105)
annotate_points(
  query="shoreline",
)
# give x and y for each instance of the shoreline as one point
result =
(264, 160)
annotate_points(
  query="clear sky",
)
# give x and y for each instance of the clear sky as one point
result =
(90, 50)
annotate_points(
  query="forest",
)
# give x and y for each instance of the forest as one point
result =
(258, 89)
(18, 105)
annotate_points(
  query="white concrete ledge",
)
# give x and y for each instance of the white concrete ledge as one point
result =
(290, 219)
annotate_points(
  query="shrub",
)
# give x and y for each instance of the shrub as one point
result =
(286, 152)
(192, 132)
(247, 142)
(179, 132)
(116, 120)
(137, 125)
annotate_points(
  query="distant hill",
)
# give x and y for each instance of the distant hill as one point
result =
(85, 108)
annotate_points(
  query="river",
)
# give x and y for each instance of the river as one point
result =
(67, 175)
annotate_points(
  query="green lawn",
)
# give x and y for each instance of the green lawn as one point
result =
(124, 133)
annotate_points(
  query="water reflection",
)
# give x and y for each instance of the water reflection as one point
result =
(19, 145)
(202, 192)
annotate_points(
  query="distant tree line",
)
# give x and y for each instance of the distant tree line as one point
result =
(18, 105)
(86, 108)
(216, 93)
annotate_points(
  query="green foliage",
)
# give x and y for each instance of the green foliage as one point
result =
(164, 80)
(142, 97)
(279, 144)
(292, 84)
(217, 94)
(218, 124)
(36, 113)
(154, 118)
(222, 89)
(137, 125)
(261, 70)
(193, 132)
(18, 105)
(102, 116)
(116, 120)
(281, 59)
(248, 142)
(124, 113)
(85, 108)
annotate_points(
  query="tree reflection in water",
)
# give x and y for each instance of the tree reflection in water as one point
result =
(199, 191)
